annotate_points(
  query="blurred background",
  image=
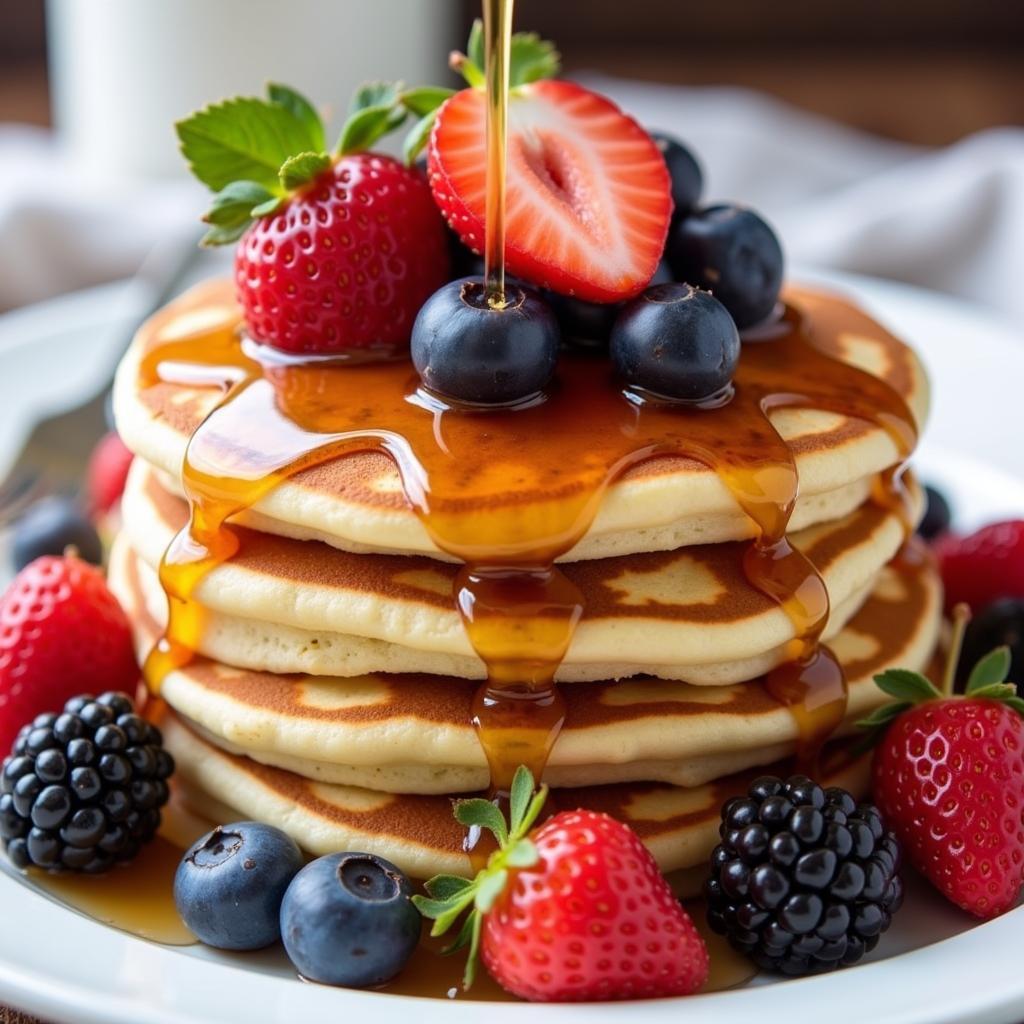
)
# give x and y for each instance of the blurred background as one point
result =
(883, 137)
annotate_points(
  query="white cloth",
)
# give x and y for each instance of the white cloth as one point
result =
(949, 219)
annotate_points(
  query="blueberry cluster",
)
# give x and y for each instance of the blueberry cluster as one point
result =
(82, 790)
(679, 339)
(805, 879)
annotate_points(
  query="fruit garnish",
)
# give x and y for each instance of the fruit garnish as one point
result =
(805, 879)
(678, 342)
(465, 348)
(106, 473)
(731, 252)
(340, 248)
(61, 632)
(348, 919)
(229, 885)
(588, 194)
(684, 170)
(573, 910)
(949, 778)
(983, 566)
(82, 790)
(51, 526)
(937, 516)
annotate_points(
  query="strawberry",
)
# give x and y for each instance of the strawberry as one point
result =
(337, 250)
(985, 566)
(107, 473)
(949, 780)
(574, 910)
(588, 198)
(62, 633)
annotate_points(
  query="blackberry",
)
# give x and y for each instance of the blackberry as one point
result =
(82, 790)
(804, 879)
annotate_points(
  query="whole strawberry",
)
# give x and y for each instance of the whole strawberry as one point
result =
(338, 250)
(62, 633)
(949, 780)
(983, 566)
(107, 472)
(575, 910)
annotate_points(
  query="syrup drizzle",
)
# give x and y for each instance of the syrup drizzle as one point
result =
(278, 416)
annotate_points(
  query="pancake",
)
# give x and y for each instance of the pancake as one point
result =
(663, 503)
(413, 733)
(302, 606)
(418, 833)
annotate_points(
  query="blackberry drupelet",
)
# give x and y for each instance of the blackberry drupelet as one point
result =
(82, 790)
(804, 879)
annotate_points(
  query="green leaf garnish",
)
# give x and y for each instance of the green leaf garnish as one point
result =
(475, 44)
(299, 170)
(233, 204)
(368, 124)
(448, 896)
(425, 100)
(906, 685)
(301, 108)
(416, 140)
(993, 668)
(531, 58)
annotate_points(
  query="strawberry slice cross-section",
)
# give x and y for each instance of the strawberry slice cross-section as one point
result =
(588, 193)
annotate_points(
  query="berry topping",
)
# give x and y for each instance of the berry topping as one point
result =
(676, 341)
(984, 566)
(466, 349)
(82, 790)
(805, 879)
(1000, 624)
(229, 886)
(949, 778)
(61, 630)
(686, 174)
(937, 516)
(574, 910)
(588, 194)
(348, 919)
(338, 250)
(107, 473)
(49, 527)
(733, 253)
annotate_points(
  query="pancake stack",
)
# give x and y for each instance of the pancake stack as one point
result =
(331, 690)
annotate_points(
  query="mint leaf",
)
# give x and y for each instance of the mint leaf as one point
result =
(233, 204)
(424, 100)
(993, 668)
(301, 109)
(475, 45)
(299, 170)
(906, 685)
(242, 139)
(375, 94)
(483, 814)
(531, 58)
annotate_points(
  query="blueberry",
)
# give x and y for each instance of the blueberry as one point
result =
(676, 341)
(1001, 622)
(229, 886)
(51, 525)
(732, 253)
(348, 919)
(937, 514)
(684, 170)
(587, 324)
(464, 349)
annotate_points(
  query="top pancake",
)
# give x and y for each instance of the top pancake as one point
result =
(357, 502)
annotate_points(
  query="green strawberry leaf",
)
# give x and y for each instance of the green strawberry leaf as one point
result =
(884, 715)
(522, 855)
(375, 94)
(270, 206)
(475, 44)
(222, 235)
(302, 109)
(424, 100)
(1017, 703)
(906, 685)
(444, 887)
(491, 887)
(519, 797)
(482, 814)
(416, 140)
(994, 691)
(531, 58)
(242, 139)
(234, 203)
(299, 170)
(993, 668)
(367, 125)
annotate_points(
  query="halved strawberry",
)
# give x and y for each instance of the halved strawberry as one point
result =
(588, 193)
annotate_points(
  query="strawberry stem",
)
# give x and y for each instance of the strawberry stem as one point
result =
(961, 616)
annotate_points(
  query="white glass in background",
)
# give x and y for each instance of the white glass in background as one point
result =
(124, 70)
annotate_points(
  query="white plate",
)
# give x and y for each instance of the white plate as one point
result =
(934, 966)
